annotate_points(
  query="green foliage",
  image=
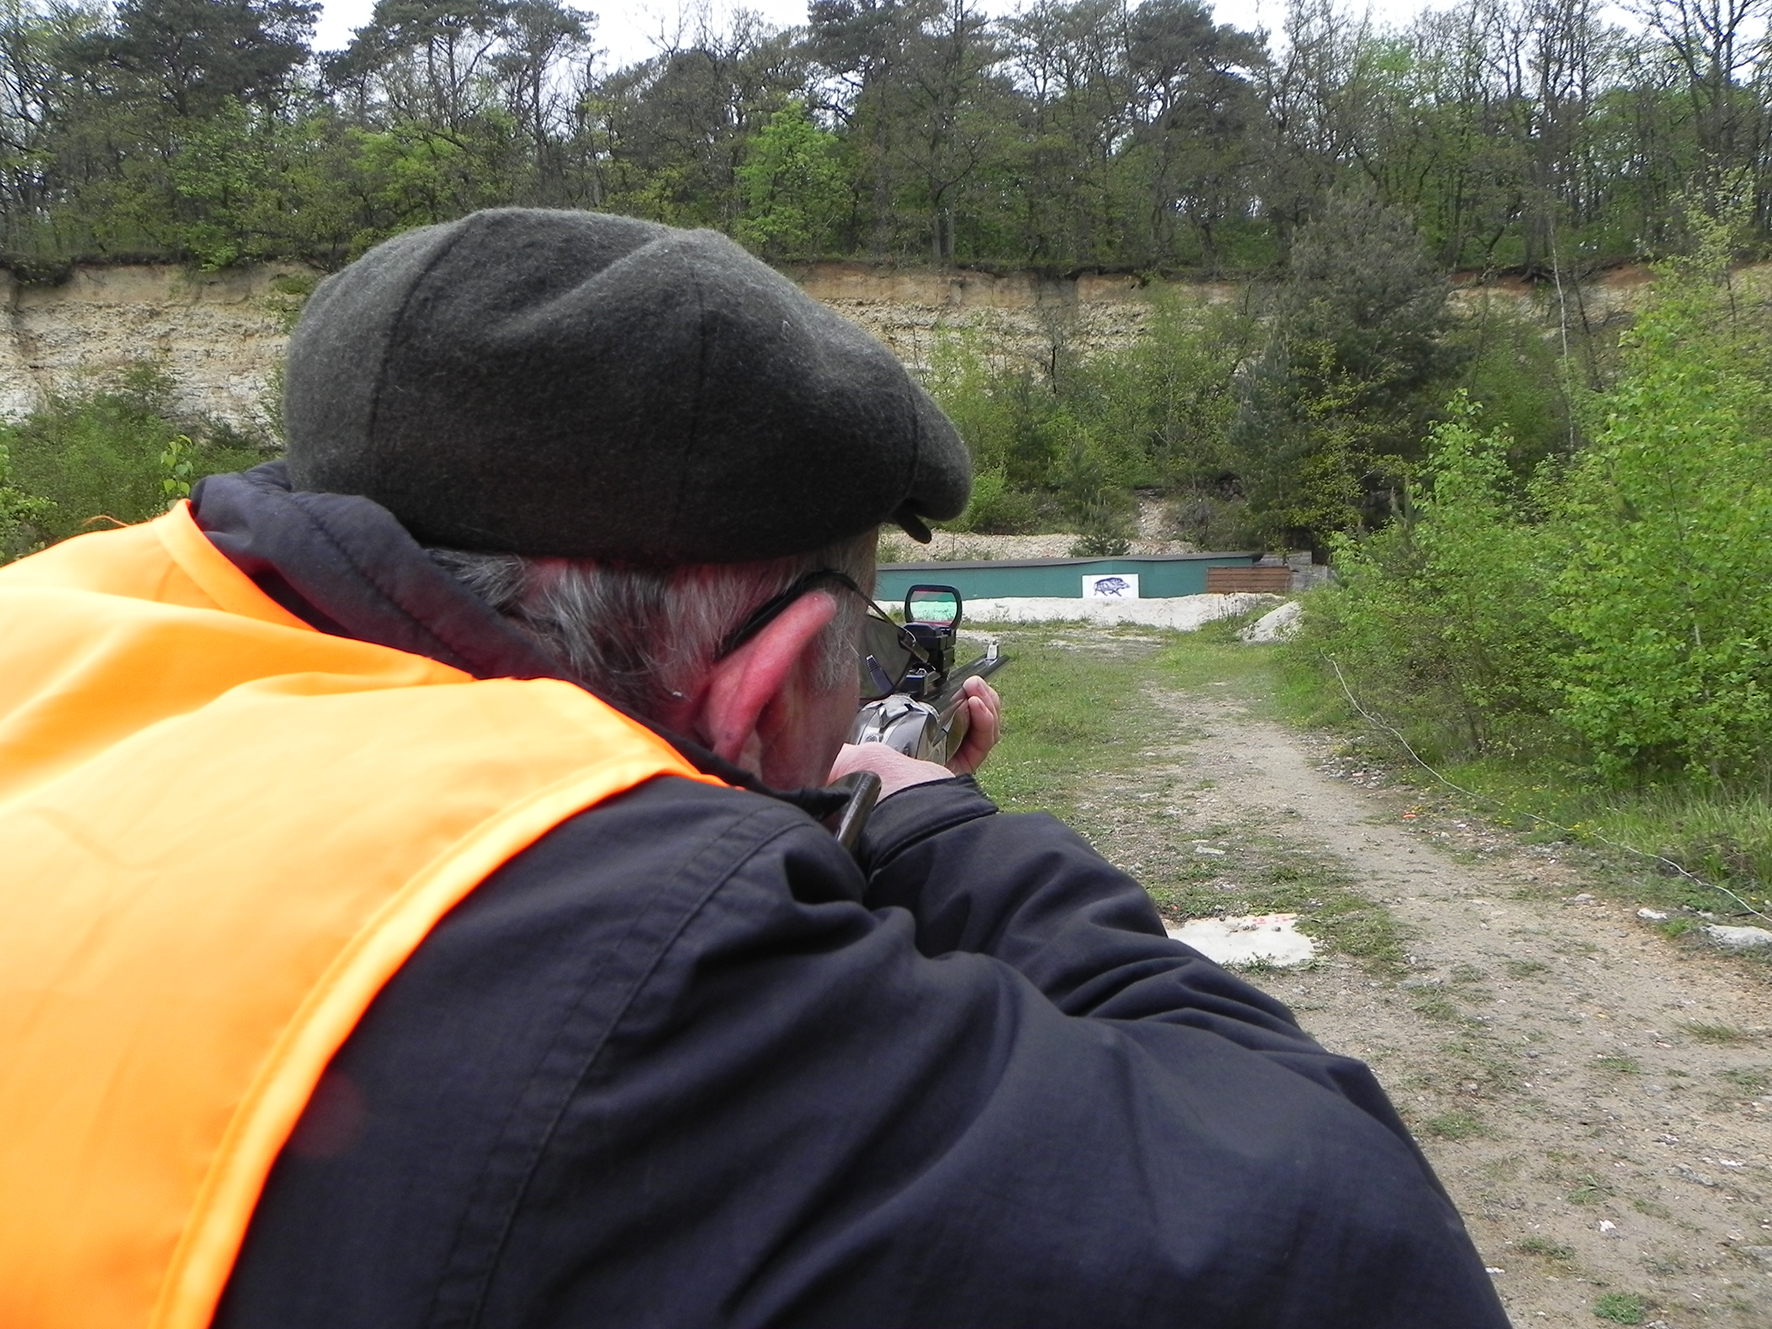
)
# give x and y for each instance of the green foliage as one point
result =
(1103, 536)
(995, 508)
(1077, 134)
(1592, 644)
(176, 468)
(1054, 434)
(1517, 375)
(1443, 618)
(1175, 388)
(1332, 416)
(1457, 1125)
(21, 515)
(1620, 1308)
(114, 456)
(1620, 600)
(1663, 591)
(793, 188)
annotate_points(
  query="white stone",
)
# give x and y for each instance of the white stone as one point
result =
(1260, 938)
(1738, 939)
(1278, 625)
(1652, 915)
(1181, 613)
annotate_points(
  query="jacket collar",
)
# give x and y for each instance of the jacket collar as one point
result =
(345, 566)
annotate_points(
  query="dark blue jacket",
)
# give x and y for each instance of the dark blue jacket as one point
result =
(685, 1063)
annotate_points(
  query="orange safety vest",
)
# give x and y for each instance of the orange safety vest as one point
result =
(221, 832)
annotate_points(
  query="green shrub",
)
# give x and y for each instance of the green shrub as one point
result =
(1665, 589)
(21, 515)
(107, 458)
(1442, 620)
(995, 508)
(1051, 432)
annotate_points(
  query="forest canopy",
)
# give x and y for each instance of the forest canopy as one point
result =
(1535, 135)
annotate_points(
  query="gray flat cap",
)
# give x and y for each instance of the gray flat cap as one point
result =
(588, 386)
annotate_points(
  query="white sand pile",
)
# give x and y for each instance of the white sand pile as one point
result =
(1182, 613)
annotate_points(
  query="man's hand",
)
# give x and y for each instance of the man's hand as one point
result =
(984, 711)
(896, 771)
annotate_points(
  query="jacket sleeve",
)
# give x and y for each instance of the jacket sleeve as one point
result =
(977, 1088)
(1027, 890)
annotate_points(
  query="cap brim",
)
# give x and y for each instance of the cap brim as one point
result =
(913, 525)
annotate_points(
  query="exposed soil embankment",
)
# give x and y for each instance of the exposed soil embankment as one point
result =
(220, 335)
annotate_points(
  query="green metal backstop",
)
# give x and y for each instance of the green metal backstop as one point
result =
(1159, 575)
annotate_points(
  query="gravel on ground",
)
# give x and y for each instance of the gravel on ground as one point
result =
(1595, 1093)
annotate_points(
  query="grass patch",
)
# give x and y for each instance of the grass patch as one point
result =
(1719, 832)
(1071, 699)
(1274, 877)
(1088, 740)
(1545, 1249)
(1750, 1082)
(1526, 968)
(1213, 655)
(1456, 1125)
(1590, 1188)
(1722, 1034)
(1619, 1065)
(1437, 1006)
(1620, 1308)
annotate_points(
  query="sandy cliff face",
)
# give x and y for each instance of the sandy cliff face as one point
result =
(220, 336)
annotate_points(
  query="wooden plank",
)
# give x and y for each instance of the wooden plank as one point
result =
(1231, 581)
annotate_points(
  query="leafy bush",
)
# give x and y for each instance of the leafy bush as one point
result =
(1522, 380)
(107, 458)
(1053, 434)
(20, 515)
(1616, 608)
(1443, 619)
(995, 508)
(1665, 591)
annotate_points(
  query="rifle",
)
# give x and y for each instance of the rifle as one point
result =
(926, 716)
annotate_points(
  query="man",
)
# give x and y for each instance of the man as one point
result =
(404, 925)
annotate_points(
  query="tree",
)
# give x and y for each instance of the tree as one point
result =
(1332, 416)
(860, 50)
(1193, 108)
(1068, 66)
(792, 184)
(427, 61)
(197, 56)
(677, 126)
(539, 37)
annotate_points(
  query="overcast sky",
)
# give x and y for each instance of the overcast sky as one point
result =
(625, 30)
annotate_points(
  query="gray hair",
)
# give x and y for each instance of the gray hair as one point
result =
(645, 637)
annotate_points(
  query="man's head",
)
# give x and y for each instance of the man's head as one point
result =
(625, 437)
(570, 384)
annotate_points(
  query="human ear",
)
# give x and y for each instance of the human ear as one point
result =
(741, 703)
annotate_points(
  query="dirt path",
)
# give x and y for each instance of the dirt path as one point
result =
(1597, 1097)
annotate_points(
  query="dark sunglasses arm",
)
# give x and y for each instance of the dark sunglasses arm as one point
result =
(767, 612)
